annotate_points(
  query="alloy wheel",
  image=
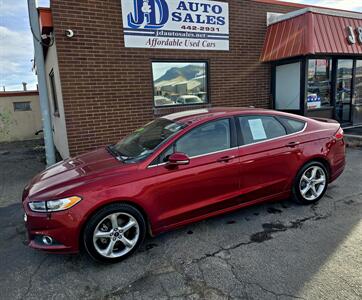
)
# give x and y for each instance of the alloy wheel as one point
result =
(312, 183)
(116, 235)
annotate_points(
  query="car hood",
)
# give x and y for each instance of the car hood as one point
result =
(73, 172)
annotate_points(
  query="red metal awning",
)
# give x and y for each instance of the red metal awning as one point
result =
(312, 31)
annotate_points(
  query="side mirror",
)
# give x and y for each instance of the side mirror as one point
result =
(178, 159)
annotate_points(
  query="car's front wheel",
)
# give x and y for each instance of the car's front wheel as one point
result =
(114, 232)
(310, 183)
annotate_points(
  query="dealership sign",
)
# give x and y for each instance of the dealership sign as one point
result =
(352, 34)
(176, 24)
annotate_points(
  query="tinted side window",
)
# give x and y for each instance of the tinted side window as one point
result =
(259, 128)
(211, 137)
(293, 125)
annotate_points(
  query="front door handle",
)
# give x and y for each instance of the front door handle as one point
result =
(292, 144)
(226, 158)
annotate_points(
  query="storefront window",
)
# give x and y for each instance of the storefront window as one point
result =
(287, 86)
(357, 105)
(358, 83)
(319, 83)
(344, 89)
(179, 83)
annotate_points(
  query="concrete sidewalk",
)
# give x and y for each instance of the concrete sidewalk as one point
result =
(354, 131)
(353, 136)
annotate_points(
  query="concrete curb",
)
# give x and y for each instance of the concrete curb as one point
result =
(353, 140)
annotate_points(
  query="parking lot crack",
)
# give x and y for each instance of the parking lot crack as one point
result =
(277, 295)
(265, 234)
(198, 287)
(30, 282)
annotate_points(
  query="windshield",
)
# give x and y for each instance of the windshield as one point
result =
(142, 142)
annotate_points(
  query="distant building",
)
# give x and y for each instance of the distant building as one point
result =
(20, 116)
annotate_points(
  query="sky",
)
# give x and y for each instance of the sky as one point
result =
(16, 43)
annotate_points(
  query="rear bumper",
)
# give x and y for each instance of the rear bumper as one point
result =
(337, 171)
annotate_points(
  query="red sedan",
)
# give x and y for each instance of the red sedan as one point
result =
(176, 170)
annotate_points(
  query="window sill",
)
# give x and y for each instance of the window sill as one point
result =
(159, 111)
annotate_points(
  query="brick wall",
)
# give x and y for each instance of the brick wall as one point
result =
(107, 89)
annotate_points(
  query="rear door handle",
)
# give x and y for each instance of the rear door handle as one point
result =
(292, 144)
(226, 158)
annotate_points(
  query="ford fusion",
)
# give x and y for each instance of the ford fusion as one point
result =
(176, 170)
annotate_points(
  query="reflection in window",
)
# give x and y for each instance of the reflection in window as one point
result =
(343, 89)
(319, 83)
(208, 138)
(179, 83)
(344, 80)
(142, 142)
(294, 125)
(358, 83)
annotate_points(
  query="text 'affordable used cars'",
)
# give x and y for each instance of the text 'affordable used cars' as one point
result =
(179, 169)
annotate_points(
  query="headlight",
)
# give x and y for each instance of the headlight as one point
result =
(54, 205)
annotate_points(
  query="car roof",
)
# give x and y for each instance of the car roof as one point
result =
(204, 114)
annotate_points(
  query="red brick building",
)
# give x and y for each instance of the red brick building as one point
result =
(102, 90)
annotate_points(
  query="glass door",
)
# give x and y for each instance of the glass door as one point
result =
(357, 103)
(344, 90)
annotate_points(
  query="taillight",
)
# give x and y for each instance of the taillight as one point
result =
(339, 134)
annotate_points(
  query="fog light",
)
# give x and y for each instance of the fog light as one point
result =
(47, 240)
(25, 218)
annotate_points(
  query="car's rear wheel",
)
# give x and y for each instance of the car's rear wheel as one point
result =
(114, 232)
(310, 183)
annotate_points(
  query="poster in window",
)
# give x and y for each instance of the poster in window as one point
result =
(257, 129)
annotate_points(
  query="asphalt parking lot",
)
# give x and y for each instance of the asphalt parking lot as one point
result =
(271, 251)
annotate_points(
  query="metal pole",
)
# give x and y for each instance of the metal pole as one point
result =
(43, 90)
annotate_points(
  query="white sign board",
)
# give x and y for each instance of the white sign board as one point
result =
(176, 24)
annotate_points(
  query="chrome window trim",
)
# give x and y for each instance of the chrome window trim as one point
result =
(183, 161)
(210, 153)
(153, 166)
(197, 156)
(238, 147)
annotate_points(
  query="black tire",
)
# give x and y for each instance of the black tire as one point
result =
(103, 213)
(296, 190)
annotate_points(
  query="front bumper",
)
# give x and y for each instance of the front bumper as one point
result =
(62, 227)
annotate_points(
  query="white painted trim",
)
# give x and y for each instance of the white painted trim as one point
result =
(271, 17)
(323, 11)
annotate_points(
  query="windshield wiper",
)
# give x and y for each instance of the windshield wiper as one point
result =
(115, 153)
